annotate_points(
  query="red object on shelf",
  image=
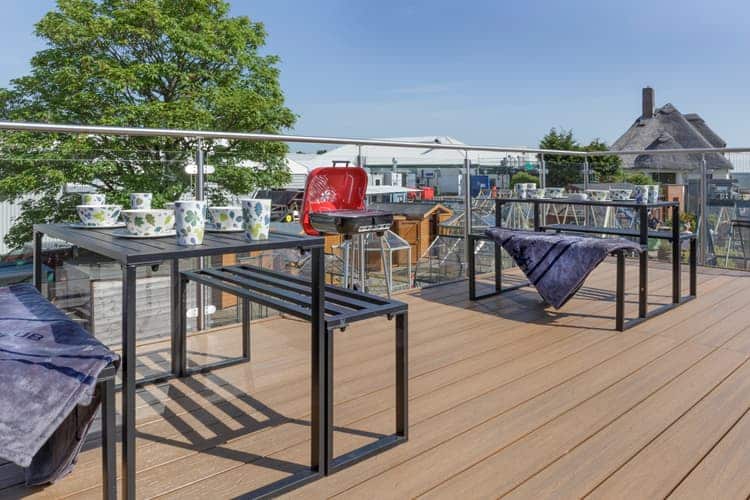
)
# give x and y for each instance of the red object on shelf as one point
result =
(332, 188)
(428, 193)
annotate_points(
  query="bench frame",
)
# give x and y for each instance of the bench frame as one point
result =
(293, 296)
(106, 383)
(675, 238)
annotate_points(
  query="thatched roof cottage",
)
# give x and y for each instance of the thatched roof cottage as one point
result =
(667, 128)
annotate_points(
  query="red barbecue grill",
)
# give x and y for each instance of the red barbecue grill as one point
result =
(334, 203)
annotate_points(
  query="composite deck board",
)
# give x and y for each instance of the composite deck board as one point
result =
(717, 474)
(485, 377)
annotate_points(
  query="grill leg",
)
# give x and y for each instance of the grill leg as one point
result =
(346, 247)
(386, 268)
(109, 449)
(362, 263)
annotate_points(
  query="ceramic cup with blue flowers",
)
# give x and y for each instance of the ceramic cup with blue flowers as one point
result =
(225, 218)
(140, 201)
(256, 214)
(640, 193)
(93, 199)
(653, 193)
(190, 222)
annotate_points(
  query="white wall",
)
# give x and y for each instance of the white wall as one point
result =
(8, 213)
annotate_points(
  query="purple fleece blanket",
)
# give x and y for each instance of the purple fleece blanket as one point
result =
(48, 367)
(557, 264)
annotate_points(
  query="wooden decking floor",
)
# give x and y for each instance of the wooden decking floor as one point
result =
(507, 398)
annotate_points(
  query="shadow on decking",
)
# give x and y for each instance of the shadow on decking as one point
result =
(524, 304)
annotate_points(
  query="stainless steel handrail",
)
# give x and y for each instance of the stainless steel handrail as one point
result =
(248, 136)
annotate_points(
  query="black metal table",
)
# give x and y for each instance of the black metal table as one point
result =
(674, 236)
(132, 253)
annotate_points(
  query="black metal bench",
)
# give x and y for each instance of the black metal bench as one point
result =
(674, 237)
(293, 296)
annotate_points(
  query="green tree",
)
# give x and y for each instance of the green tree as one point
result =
(604, 168)
(562, 169)
(568, 169)
(523, 177)
(146, 63)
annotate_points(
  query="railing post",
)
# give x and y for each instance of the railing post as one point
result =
(467, 204)
(585, 172)
(703, 219)
(542, 172)
(200, 297)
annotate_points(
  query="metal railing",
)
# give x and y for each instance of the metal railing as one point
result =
(202, 135)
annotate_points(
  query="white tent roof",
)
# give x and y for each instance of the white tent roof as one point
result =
(383, 156)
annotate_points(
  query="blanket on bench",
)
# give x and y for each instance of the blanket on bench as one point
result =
(48, 372)
(557, 264)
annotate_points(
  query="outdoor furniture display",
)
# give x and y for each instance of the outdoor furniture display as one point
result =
(334, 203)
(50, 358)
(674, 237)
(132, 253)
(738, 226)
(294, 296)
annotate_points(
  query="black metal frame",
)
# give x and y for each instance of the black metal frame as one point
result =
(133, 253)
(296, 296)
(674, 236)
(106, 385)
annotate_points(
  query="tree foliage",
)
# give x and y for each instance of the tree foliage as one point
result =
(147, 63)
(568, 169)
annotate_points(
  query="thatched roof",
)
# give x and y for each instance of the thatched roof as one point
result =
(670, 129)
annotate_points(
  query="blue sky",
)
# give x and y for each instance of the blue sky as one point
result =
(486, 72)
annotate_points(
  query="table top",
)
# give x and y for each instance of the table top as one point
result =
(608, 203)
(156, 250)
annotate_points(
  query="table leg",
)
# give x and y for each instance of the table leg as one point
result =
(177, 339)
(402, 375)
(128, 382)
(318, 417)
(643, 264)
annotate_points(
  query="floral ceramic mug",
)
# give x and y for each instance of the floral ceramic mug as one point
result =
(640, 193)
(93, 199)
(190, 222)
(140, 201)
(225, 218)
(98, 215)
(256, 214)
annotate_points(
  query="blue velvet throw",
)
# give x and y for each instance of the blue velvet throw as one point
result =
(557, 264)
(48, 371)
